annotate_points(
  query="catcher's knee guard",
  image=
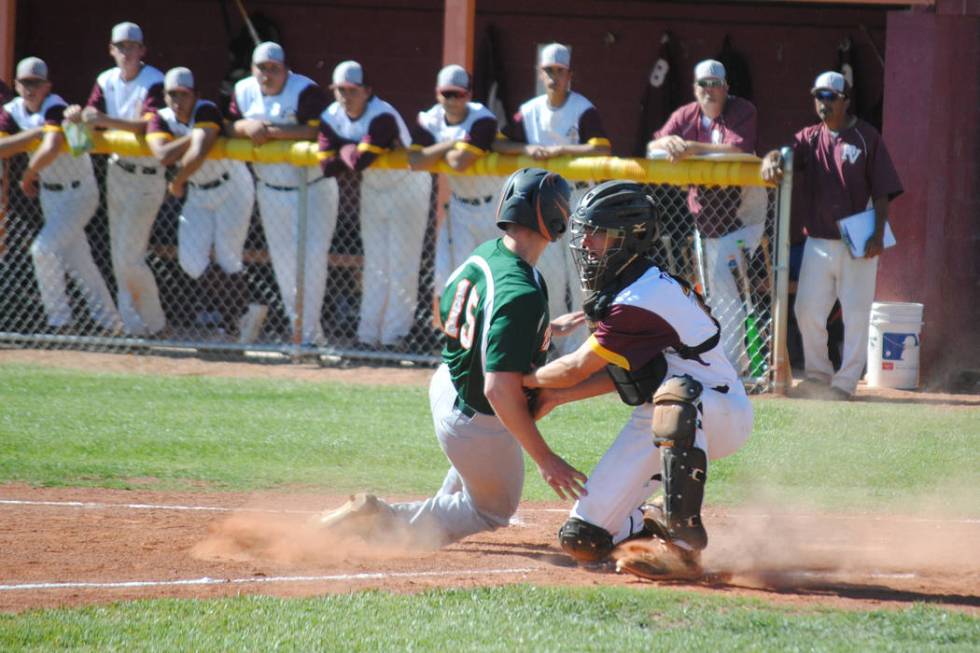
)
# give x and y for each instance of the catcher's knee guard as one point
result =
(675, 423)
(584, 541)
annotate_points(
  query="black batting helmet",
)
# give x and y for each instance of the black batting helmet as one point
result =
(627, 217)
(536, 199)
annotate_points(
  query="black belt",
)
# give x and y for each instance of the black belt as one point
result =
(288, 188)
(582, 184)
(474, 201)
(132, 168)
(208, 185)
(60, 187)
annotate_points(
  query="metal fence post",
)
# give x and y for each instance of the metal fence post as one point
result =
(783, 377)
(302, 211)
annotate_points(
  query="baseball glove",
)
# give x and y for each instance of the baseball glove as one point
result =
(655, 559)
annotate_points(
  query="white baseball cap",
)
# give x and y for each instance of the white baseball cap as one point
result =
(555, 54)
(830, 81)
(32, 68)
(453, 77)
(179, 77)
(709, 69)
(348, 73)
(127, 32)
(268, 51)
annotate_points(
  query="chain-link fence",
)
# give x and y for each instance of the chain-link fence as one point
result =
(107, 257)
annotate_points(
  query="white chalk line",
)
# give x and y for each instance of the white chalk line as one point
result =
(96, 505)
(134, 584)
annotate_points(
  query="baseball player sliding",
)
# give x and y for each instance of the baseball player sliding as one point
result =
(354, 130)
(219, 194)
(494, 313)
(277, 104)
(68, 194)
(124, 98)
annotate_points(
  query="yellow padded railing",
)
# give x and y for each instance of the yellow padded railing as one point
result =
(727, 170)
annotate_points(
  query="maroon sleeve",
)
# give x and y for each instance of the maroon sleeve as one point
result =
(740, 125)
(421, 136)
(677, 125)
(209, 113)
(311, 103)
(54, 115)
(96, 98)
(157, 125)
(589, 126)
(884, 181)
(328, 149)
(482, 133)
(514, 130)
(382, 133)
(154, 99)
(803, 142)
(635, 334)
(8, 125)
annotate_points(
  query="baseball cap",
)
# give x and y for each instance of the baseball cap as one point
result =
(179, 77)
(127, 32)
(555, 54)
(831, 81)
(348, 73)
(32, 68)
(268, 51)
(709, 68)
(453, 77)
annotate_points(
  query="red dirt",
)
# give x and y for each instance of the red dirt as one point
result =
(847, 561)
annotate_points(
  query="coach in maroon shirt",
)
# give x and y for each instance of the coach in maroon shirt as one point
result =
(840, 167)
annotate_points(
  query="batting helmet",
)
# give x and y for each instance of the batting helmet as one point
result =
(536, 199)
(626, 216)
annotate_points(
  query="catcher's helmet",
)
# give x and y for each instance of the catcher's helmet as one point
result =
(627, 217)
(536, 199)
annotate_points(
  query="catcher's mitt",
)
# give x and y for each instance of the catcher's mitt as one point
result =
(655, 559)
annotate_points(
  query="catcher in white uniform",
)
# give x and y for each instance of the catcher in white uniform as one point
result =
(656, 343)
(459, 131)
(560, 122)
(68, 194)
(277, 104)
(354, 130)
(219, 194)
(125, 98)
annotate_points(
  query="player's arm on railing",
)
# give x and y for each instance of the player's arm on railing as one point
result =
(43, 156)
(426, 157)
(201, 142)
(168, 152)
(17, 143)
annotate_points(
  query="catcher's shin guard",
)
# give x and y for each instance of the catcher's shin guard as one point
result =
(675, 421)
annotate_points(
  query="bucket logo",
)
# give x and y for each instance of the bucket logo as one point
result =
(894, 345)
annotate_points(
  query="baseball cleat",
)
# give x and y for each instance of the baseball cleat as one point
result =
(360, 516)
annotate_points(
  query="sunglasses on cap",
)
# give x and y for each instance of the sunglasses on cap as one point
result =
(452, 95)
(710, 83)
(826, 95)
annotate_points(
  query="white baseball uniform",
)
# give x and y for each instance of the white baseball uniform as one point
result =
(655, 314)
(394, 211)
(300, 101)
(135, 188)
(471, 217)
(69, 197)
(573, 123)
(219, 199)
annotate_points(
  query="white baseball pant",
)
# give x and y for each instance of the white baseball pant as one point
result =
(216, 218)
(62, 247)
(278, 210)
(828, 273)
(483, 487)
(466, 226)
(394, 212)
(134, 200)
(622, 480)
(724, 294)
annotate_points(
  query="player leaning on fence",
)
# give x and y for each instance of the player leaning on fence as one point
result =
(841, 167)
(68, 195)
(124, 98)
(495, 315)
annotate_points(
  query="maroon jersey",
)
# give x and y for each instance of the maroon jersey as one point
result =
(840, 174)
(715, 208)
(354, 144)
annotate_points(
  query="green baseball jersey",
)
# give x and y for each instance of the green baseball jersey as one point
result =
(494, 313)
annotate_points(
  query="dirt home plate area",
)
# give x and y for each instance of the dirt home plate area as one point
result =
(80, 546)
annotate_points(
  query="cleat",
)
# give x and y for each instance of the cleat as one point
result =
(362, 516)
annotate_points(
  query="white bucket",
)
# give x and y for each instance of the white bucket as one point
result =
(893, 345)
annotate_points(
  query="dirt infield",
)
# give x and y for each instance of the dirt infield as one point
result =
(80, 546)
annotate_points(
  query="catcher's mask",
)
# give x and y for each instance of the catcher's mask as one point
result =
(536, 199)
(614, 224)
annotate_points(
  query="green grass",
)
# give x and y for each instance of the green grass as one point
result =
(520, 618)
(61, 427)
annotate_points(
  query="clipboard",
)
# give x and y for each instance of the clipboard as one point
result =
(855, 230)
